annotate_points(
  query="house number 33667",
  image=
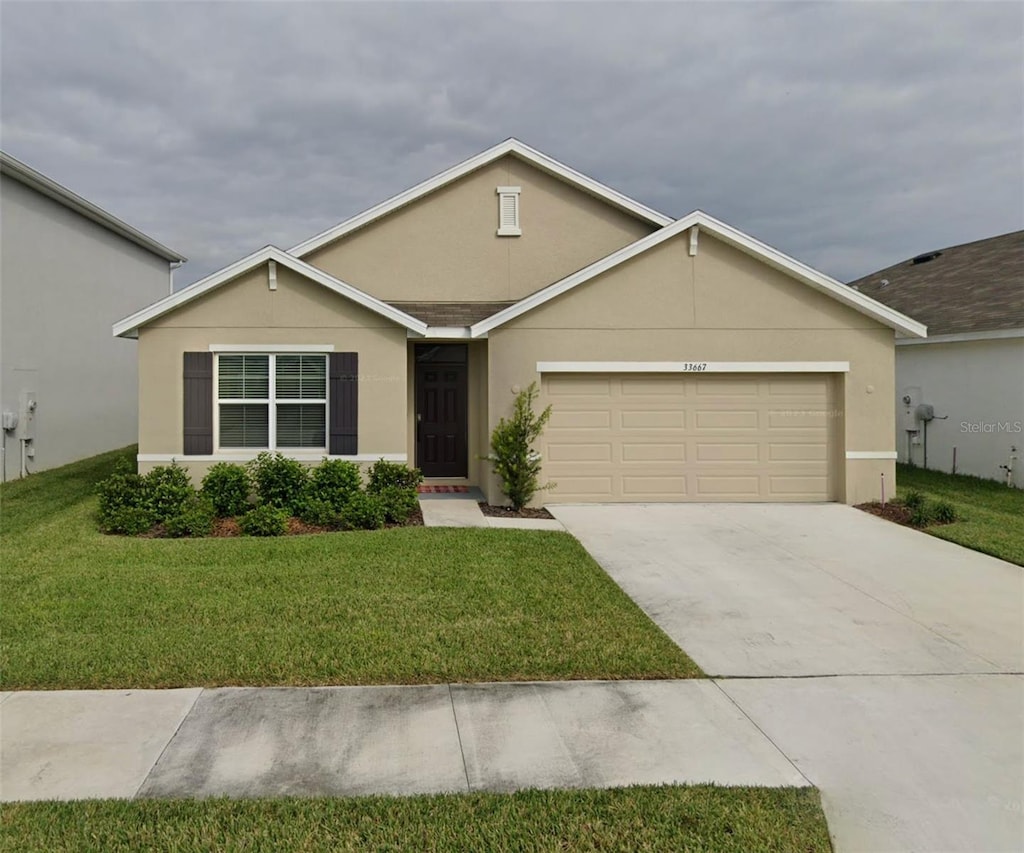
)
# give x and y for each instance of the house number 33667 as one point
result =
(695, 366)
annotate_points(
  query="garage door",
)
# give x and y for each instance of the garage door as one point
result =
(687, 437)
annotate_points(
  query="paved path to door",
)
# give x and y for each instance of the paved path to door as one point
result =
(884, 663)
(330, 741)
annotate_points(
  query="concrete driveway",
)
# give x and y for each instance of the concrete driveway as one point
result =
(884, 663)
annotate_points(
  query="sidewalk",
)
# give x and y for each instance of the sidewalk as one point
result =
(331, 741)
(462, 509)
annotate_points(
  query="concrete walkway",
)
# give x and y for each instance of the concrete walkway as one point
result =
(248, 742)
(462, 509)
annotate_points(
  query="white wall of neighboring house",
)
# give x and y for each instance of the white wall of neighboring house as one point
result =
(978, 387)
(63, 280)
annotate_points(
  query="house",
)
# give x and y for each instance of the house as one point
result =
(67, 390)
(683, 359)
(970, 368)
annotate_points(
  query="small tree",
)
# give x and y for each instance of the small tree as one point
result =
(512, 454)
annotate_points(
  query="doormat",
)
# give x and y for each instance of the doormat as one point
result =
(443, 490)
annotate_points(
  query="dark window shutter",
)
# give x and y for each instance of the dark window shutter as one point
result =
(198, 396)
(344, 404)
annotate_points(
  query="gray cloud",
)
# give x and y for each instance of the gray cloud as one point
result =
(848, 135)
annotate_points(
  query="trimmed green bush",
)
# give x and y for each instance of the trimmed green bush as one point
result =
(227, 486)
(264, 520)
(913, 499)
(127, 520)
(280, 482)
(195, 519)
(384, 475)
(165, 491)
(515, 461)
(364, 511)
(316, 511)
(334, 481)
(921, 516)
(945, 513)
(398, 503)
(123, 488)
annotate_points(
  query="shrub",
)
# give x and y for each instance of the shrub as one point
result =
(921, 516)
(129, 520)
(227, 486)
(279, 481)
(384, 475)
(123, 488)
(264, 520)
(165, 490)
(364, 511)
(334, 481)
(316, 511)
(195, 519)
(913, 499)
(515, 461)
(398, 503)
(945, 513)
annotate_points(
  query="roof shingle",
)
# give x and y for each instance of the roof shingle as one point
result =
(450, 313)
(974, 287)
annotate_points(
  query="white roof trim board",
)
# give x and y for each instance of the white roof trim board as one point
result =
(18, 171)
(129, 326)
(773, 257)
(509, 146)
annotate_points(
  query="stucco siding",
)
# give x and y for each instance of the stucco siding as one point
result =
(64, 280)
(978, 388)
(246, 312)
(444, 247)
(718, 306)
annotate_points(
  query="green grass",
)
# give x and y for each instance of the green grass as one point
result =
(991, 514)
(696, 819)
(408, 605)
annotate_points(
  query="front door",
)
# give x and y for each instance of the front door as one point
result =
(441, 410)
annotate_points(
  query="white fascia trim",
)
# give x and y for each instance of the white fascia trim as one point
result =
(283, 348)
(774, 258)
(509, 146)
(963, 337)
(25, 174)
(128, 327)
(455, 333)
(180, 458)
(693, 367)
(870, 454)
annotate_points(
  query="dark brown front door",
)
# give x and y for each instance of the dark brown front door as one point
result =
(441, 410)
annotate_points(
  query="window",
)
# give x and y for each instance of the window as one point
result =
(508, 212)
(274, 402)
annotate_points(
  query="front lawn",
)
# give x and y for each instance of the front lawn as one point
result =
(697, 819)
(991, 515)
(401, 606)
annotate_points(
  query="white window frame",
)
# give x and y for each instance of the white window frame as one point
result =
(505, 229)
(271, 402)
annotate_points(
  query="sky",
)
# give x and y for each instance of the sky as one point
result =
(849, 135)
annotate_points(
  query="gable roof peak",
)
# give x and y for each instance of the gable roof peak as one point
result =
(513, 146)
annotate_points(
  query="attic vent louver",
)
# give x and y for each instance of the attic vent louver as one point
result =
(927, 256)
(508, 212)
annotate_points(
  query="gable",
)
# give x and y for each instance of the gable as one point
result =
(444, 246)
(718, 288)
(697, 227)
(248, 302)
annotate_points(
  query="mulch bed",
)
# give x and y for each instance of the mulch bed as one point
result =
(508, 512)
(891, 511)
(226, 528)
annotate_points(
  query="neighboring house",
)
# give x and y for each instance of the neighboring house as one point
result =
(970, 369)
(66, 269)
(684, 360)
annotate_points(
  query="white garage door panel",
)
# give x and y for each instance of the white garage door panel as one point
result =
(645, 437)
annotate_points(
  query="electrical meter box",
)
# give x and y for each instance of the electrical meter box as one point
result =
(26, 427)
(924, 412)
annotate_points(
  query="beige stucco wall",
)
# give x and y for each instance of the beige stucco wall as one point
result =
(247, 312)
(721, 305)
(444, 247)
